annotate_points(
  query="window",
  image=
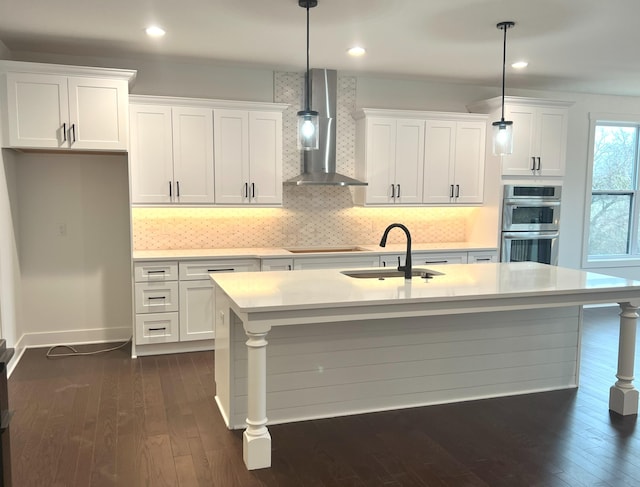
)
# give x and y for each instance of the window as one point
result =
(614, 212)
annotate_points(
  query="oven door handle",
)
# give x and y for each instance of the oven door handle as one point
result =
(530, 235)
(531, 203)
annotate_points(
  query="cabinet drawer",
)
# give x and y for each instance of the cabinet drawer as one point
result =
(156, 328)
(335, 262)
(442, 258)
(155, 271)
(200, 269)
(156, 297)
(482, 257)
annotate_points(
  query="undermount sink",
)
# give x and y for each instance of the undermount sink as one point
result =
(389, 272)
(325, 250)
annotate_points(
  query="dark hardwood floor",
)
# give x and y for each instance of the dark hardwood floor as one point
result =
(107, 420)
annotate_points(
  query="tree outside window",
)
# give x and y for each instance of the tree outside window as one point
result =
(613, 229)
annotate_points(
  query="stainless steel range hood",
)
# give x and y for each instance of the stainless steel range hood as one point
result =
(319, 166)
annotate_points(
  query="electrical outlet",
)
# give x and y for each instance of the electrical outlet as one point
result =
(62, 229)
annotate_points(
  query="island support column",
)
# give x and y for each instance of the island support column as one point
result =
(256, 447)
(623, 397)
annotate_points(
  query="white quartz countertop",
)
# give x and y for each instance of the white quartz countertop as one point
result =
(266, 252)
(316, 289)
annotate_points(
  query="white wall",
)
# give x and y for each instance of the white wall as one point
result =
(74, 248)
(9, 264)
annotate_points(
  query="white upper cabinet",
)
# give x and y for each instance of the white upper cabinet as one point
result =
(539, 134)
(171, 154)
(248, 156)
(424, 158)
(539, 141)
(65, 107)
(390, 157)
(454, 161)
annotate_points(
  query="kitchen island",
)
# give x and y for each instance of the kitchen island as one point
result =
(343, 345)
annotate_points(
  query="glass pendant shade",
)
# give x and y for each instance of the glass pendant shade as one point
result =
(502, 138)
(308, 130)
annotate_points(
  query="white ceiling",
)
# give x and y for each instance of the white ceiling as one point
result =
(571, 45)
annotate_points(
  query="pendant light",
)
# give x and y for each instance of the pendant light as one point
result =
(503, 129)
(308, 127)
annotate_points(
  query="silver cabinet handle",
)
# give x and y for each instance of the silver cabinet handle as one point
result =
(538, 164)
(451, 191)
(436, 261)
(73, 133)
(230, 269)
(162, 271)
(457, 190)
(170, 190)
(393, 191)
(484, 259)
(253, 190)
(398, 190)
(158, 329)
(246, 190)
(177, 189)
(150, 298)
(64, 132)
(533, 163)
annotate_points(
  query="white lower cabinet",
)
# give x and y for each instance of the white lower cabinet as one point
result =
(479, 257)
(196, 310)
(276, 264)
(156, 328)
(175, 303)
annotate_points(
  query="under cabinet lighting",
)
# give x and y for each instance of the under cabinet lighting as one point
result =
(520, 65)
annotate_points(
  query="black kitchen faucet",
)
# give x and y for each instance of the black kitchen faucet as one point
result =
(407, 261)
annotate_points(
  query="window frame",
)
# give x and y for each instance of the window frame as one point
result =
(619, 260)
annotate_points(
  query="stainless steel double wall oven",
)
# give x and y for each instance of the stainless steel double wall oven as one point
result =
(530, 223)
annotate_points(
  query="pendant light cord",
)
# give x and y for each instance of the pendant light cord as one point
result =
(504, 62)
(307, 75)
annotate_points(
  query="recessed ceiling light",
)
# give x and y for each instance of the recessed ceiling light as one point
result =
(520, 64)
(155, 31)
(356, 51)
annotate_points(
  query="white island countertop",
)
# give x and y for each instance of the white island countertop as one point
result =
(468, 306)
(312, 289)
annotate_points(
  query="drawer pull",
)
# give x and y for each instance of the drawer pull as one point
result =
(231, 269)
(156, 272)
(158, 329)
(436, 261)
(483, 259)
(156, 297)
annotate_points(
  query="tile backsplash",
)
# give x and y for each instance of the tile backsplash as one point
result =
(310, 216)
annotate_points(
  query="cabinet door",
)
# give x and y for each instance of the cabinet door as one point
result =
(38, 110)
(468, 171)
(409, 161)
(520, 162)
(438, 161)
(231, 150)
(380, 160)
(197, 306)
(551, 139)
(98, 114)
(193, 154)
(265, 157)
(151, 158)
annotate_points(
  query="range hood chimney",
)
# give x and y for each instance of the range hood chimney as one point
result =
(319, 166)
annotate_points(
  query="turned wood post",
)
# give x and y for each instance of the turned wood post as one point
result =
(256, 438)
(623, 397)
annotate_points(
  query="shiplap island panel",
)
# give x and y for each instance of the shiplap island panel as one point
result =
(340, 345)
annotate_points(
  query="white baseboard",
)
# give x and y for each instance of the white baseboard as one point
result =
(68, 337)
